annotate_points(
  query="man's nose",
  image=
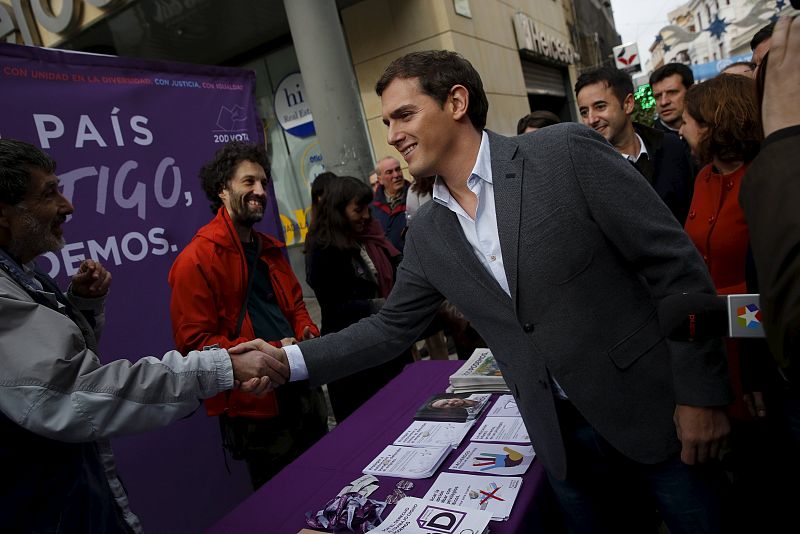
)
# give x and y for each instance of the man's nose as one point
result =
(66, 207)
(393, 137)
(259, 189)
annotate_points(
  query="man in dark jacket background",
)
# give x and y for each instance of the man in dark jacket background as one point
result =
(606, 104)
(389, 206)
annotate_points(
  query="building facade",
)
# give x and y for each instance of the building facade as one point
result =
(706, 31)
(523, 49)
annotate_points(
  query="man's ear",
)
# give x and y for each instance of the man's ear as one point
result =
(459, 100)
(629, 104)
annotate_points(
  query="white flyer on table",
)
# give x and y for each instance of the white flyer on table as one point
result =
(407, 462)
(495, 459)
(502, 430)
(493, 494)
(505, 406)
(416, 516)
(434, 434)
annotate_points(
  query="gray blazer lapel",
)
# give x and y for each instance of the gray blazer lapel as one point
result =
(507, 183)
(459, 250)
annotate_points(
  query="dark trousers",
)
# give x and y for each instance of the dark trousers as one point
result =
(607, 492)
(268, 445)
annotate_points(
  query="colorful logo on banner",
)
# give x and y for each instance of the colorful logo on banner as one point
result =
(291, 107)
(749, 316)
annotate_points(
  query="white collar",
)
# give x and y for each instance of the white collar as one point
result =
(642, 150)
(482, 170)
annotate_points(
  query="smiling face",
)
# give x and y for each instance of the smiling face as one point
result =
(601, 110)
(34, 225)
(391, 176)
(244, 196)
(358, 215)
(419, 128)
(669, 94)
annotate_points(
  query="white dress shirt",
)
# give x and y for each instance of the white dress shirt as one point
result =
(481, 232)
(642, 151)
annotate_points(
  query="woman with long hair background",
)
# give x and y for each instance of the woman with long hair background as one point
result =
(351, 267)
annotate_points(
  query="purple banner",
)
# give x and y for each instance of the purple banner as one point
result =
(129, 137)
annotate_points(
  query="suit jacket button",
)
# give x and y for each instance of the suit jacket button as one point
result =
(528, 327)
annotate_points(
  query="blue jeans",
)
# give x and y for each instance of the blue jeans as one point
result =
(608, 492)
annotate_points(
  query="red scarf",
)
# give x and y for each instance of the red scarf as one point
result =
(381, 252)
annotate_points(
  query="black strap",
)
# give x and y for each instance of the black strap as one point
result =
(250, 275)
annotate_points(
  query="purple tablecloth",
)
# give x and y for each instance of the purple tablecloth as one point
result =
(321, 472)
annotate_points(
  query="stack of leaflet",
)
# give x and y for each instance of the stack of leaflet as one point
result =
(458, 408)
(407, 462)
(416, 516)
(491, 493)
(434, 434)
(479, 373)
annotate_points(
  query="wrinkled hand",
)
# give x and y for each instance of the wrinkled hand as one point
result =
(276, 364)
(308, 334)
(92, 280)
(782, 84)
(755, 404)
(702, 431)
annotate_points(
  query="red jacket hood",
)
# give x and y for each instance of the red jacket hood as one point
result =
(220, 230)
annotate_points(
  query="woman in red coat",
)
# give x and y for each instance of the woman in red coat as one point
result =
(722, 124)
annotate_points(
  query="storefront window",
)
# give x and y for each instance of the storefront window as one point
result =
(295, 156)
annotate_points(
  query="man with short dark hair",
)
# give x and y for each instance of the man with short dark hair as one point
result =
(606, 104)
(536, 120)
(58, 404)
(232, 284)
(559, 253)
(389, 205)
(670, 83)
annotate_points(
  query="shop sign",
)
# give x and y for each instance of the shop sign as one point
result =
(531, 37)
(291, 108)
(627, 59)
(25, 17)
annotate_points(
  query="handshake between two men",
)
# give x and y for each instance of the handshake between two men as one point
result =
(259, 367)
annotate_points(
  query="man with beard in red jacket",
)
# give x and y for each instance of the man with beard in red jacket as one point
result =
(232, 284)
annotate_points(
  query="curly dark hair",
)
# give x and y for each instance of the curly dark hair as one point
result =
(17, 158)
(330, 226)
(215, 175)
(438, 71)
(728, 107)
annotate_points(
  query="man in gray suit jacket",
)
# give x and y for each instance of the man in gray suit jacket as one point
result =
(558, 252)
